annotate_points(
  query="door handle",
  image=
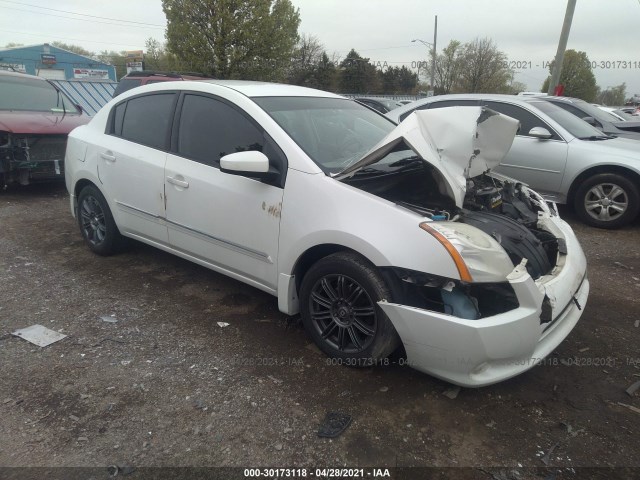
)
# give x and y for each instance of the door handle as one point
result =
(179, 183)
(108, 157)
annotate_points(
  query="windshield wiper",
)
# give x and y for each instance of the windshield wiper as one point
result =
(597, 137)
(406, 161)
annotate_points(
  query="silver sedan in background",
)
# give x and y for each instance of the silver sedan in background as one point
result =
(561, 156)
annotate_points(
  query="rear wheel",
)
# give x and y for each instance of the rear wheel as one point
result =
(96, 223)
(339, 307)
(607, 200)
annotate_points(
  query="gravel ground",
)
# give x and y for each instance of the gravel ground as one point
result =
(166, 385)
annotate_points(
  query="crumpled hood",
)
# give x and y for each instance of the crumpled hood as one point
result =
(461, 142)
(40, 122)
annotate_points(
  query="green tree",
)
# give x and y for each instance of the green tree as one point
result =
(398, 80)
(117, 59)
(484, 68)
(612, 95)
(306, 58)
(576, 76)
(156, 57)
(326, 74)
(251, 39)
(358, 75)
(448, 68)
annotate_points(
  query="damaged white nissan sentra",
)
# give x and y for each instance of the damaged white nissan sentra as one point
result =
(378, 235)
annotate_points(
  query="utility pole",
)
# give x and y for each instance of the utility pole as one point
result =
(433, 61)
(433, 54)
(562, 46)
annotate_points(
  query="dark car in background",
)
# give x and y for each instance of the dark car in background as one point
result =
(383, 105)
(35, 119)
(596, 117)
(145, 77)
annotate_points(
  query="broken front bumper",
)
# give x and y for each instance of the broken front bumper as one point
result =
(473, 353)
(29, 158)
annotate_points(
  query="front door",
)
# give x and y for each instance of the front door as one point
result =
(229, 222)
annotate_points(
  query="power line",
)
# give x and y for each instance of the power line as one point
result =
(77, 19)
(81, 14)
(67, 38)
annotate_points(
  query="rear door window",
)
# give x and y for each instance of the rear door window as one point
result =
(147, 119)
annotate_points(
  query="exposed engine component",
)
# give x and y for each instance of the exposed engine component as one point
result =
(503, 209)
(486, 194)
(27, 158)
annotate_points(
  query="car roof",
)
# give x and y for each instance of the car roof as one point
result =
(8, 73)
(266, 89)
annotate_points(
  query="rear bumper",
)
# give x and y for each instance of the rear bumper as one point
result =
(473, 353)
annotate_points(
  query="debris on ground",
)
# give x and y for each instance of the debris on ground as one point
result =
(223, 324)
(39, 335)
(109, 318)
(334, 424)
(633, 388)
(384, 389)
(547, 458)
(630, 407)
(452, 392)
(622, 265)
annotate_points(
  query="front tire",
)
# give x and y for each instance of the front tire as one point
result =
(96, 223)
(607, 200)
(339, 307)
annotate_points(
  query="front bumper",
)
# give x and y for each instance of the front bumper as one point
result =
(474, 353)
(32, 158)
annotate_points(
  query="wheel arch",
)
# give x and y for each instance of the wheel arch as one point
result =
(77, 188)
(306, 260)
(314, 254)
(597, 170)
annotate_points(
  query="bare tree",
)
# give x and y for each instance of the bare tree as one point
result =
(484, 68)
(448, 68)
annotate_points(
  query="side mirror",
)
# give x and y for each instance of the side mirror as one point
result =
(590, 121)
(245, 162)
(540, 133)
(79, 107)
(251, 164)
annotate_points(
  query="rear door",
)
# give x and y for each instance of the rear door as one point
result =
(131, 163)
(229, 222)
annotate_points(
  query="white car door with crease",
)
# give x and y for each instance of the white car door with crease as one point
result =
(130, 162)
(230, 222)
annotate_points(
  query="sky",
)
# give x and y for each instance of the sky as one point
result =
(382, 30)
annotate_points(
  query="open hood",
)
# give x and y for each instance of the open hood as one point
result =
(462, 142)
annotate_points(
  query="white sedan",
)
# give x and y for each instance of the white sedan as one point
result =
(378, 235)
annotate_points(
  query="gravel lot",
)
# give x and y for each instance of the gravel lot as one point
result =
(165, 385)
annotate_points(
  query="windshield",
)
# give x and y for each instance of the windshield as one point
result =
(595, 112)
(26, 94)
(334, 132)
(574, 125)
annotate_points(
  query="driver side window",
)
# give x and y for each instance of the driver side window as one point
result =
(527, 119)
(209, 129)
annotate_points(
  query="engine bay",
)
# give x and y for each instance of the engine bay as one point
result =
(503, 209)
